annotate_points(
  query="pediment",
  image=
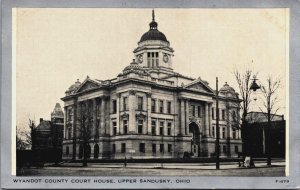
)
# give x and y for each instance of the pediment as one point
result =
(199, 86)
(87, 85)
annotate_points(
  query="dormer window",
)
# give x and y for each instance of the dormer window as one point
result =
(152, 59)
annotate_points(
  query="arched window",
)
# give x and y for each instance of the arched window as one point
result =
(96, 151)
(88, 153)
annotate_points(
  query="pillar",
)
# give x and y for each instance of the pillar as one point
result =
(206, 120)
(182, 117)
(149, 127)
(65, 122)
(94, 112)
(132, 115)
(75, 106)
(102, 117)
(187, 112)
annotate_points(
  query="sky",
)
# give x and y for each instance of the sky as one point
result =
(55, 47)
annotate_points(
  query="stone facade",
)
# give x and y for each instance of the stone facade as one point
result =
(149, 111)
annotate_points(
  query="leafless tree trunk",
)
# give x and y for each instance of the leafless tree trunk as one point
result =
(243, 80)
(269, 100)
(85, 124)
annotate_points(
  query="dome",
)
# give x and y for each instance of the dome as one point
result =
(153, 33)
(227, 88)
(134, 67)
(74, 86)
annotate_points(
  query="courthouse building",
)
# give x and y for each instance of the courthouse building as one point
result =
(149, 110)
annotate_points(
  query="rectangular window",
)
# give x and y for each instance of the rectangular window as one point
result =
(148, 59)
(125, 126)
(199, 111)
(169, 107)
(114, 128)
(169, 147)
(161, 106)
(123, 147)
(236, 149)
(223, 114)
(153, 148)
(224, 149)
(169, 128)
(114, 106)
(223, 133)
(153, 106)
(140, 103)
(233, 134)
(114, 148)
(233, 116)
(213, 131)
(156, 59)
(142, 147)
(161, 148)
(213, 113)
(153, 127)
(193, 110)
(161, 128)
(125, 103)
(140, 126)
(69, 115)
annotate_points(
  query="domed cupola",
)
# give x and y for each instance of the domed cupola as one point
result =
(227, 90)
(73, 87)
(154, 49)
(134, 67)
(153, 33)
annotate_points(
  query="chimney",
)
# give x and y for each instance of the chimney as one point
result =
(41, 120)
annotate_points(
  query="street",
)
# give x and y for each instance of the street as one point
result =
(154, 169)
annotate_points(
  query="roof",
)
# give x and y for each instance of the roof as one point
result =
(153, 33)
(260, 117)
(57, 111)
(44, 125)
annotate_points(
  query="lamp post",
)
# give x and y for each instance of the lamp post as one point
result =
(254, 86)
(217, 128)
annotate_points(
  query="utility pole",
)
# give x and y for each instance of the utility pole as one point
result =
(217, 127)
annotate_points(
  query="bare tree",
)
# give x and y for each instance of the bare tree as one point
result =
(270, 106)
(24, 136)
(85, 124)
(243, 80)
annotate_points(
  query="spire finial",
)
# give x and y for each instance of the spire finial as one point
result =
(153, 15)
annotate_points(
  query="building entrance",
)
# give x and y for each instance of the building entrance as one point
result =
(195, 141)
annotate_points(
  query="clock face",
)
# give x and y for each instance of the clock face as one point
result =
(166, 58)
(140, 58)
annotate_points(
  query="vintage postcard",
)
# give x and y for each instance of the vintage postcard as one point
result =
(149, 96)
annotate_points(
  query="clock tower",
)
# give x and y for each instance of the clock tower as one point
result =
(154, 49)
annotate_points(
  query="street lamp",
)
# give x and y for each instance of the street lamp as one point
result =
(254, 86)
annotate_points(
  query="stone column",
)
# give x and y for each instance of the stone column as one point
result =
(65, 123)
(94, 113)
(187, 112)
(182, 117)
(107, 115)
(102, 117)
(118, 112)
(74, 126)
(132, 115)
(148, 129)
(206, 120)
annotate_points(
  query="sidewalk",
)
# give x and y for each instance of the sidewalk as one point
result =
(189, 166)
